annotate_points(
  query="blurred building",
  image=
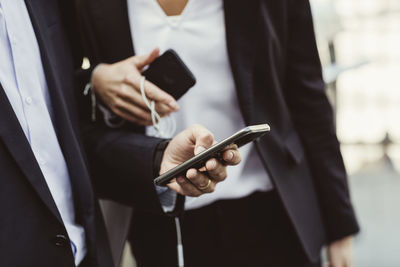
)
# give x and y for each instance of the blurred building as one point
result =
(359, 44)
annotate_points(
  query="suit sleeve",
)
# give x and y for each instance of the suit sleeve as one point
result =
(121, 165)
(313, 118)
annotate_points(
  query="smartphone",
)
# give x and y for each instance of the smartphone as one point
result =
(240, 138)
(170, 74)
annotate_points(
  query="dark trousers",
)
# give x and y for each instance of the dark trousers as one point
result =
(252, 231)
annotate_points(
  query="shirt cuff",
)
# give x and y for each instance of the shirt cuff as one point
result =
(167, 198)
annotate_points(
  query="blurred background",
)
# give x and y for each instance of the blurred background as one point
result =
(359, 43)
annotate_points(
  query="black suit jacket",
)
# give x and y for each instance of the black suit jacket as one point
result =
(278, 78)
(31, 230)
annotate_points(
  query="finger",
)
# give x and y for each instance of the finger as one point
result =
(231, 146)
(129, 116)
(152, 92)
(133, 110)
(143, 60)
(184, 187)
(201, 137)
(163, 109)
(131, 95)
(203, 169)
(216, 170)
(201, 181)
(133, 119)
(232, 157)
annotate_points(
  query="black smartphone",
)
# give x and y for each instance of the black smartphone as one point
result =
(240, 138)
(170, 74)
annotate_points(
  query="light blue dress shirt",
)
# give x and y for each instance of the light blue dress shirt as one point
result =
(23, 80)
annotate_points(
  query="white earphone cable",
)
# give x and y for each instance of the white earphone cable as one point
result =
(165, 127)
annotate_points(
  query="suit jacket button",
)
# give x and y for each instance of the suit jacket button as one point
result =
(61, 240)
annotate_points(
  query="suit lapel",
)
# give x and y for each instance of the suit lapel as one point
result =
(10, 130)
(15, 140)
(241, 26)
(80, 180)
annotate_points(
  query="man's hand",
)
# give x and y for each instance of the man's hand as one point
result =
(340, 253)
(118, 86)
(185, 145)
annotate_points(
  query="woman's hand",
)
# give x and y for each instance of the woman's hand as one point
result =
(118, 86)
(185, 145)
(340, 253)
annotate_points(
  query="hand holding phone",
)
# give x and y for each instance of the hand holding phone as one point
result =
(117, 86)
(240, 138)
(184, 146)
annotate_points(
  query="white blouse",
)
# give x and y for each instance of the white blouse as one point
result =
(198, 36)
